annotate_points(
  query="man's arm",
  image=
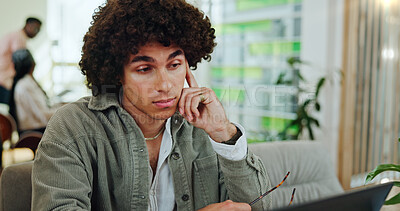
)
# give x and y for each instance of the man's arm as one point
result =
(245, 179)
(59, 179)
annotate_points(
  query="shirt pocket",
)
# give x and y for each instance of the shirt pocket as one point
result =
(206, 179)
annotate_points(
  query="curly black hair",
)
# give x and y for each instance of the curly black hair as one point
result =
(121, 27)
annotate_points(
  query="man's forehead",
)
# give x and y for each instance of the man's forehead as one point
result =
(156, 50)
(158, 44)
(34, 23)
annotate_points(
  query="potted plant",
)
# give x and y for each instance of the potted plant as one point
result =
(381, 168)
(304, 119)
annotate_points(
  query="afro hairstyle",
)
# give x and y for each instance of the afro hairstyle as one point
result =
(120, 27)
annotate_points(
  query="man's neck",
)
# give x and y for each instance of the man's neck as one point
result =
(24, 32)
(149, 126)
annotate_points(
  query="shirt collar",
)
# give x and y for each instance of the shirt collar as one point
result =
(23, 33)
(102, 102)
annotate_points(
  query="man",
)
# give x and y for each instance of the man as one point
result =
(8, 45)
(143, 141)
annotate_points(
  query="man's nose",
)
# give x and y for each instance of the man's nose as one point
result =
(164, 81)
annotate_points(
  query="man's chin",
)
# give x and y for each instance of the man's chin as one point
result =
(165, 114)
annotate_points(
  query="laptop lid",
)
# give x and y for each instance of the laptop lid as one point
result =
(364, 199)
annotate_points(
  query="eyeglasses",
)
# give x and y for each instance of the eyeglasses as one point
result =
(272, 189)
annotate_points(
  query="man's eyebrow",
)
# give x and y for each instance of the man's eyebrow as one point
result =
(142, 58)
(175, 54)
(150, 59)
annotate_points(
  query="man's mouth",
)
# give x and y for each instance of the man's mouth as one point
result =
(165, 103)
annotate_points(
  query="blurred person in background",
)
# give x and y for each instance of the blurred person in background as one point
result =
(8, 45)
(28, 102)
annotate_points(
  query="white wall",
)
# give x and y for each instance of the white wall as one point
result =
(13, 14)
(68, 22)
(322, 31)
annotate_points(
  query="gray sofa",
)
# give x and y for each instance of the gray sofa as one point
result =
(311, 170)
(312, 174)
(16, 188)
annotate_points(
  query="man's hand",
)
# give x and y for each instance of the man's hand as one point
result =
(227, 205)
(201, 107)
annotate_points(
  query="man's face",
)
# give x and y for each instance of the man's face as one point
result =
(32, 29)
(153, 80)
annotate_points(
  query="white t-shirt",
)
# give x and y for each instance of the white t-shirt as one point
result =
(162, 196)
(31, 104)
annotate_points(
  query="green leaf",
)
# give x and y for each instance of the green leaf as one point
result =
(280, 79)
(381, 168)
(320, 84)
(317, 106)
(308, 101)
(397, 184)
(300, 76)
(394, 200)
(316, 122)
(293, 60)
(310, 131)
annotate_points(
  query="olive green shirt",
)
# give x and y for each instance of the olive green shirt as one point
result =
(93, 156)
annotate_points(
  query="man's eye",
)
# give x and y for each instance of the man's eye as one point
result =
(175, 65)
(146, 69)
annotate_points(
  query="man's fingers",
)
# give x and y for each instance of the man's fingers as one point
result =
(190, 102)
(190, 77)
(185, 93)
(196, 100)
(227, 205)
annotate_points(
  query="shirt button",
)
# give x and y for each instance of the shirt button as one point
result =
(175, 156)
(185, 197)
(142, 197)
(141, 150)
(176, 121)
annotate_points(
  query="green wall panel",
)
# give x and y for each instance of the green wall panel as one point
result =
(277, 124)
(230, 95)
(242, 5)
(235, 28)
(237, 72)
(274, 48)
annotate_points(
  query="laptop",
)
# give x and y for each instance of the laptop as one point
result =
(364, 199)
